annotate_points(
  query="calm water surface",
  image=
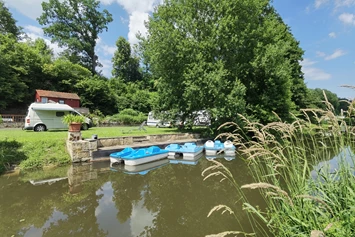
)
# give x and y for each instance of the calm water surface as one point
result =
(159, 199)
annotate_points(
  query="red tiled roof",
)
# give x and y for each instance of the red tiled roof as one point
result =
(56, 94)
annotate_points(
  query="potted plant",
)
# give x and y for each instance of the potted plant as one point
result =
(74, 121)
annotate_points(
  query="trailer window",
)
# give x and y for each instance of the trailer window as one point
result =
(59, 114)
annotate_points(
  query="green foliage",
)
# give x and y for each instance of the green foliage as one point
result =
(1, 119)
(132, 95)
(7, 22)
(242, 54)
(125, 65)
(20, 63)
(76, 24)
(10, 153)
(316, 98)
(63, 75)
(73, 118)
(96, 94)
(128, 117)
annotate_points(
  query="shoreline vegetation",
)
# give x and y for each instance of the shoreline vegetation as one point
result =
(306, 195)
(33, 150)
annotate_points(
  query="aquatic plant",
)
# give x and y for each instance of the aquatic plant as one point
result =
(302, 199)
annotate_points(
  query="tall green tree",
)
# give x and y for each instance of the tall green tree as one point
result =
(225, 56)
(21, 71)
(125, 65)
(63, 75)
(96, 94)
(317, 97)
(7, 22)
(76, 24)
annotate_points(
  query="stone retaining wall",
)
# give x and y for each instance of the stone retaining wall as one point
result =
(82, 150)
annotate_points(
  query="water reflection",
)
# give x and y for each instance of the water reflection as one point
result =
(168, 200)
(345, 156)
(139, 169)
(221, 156)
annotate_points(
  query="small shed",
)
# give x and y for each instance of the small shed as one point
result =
(70, 99)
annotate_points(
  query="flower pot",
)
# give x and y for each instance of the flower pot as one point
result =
(74, 127)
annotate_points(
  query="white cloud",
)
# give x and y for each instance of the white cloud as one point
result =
(337, 53)
(332, 35)
(138, 5)
(136, 25)
(313, 73)
(344, 3)
(320, 54)
(106, 67)
(319, 3)
(306, 62)
(336, 3)
(107, 2)
(347, 18)
(34, 29)
(106, 49)
(138, 11)
(29, 8)
(34, 32)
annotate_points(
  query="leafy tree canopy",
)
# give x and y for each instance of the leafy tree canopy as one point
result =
(225, 56)
(125, 65)
(7, 22)
(76, 25)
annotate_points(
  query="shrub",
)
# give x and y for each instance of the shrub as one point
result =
(0, 119)
(10, 153)
(128, 117)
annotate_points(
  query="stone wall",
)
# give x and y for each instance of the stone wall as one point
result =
(82, 150)
(119, 141)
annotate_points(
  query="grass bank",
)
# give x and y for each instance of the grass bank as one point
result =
(304, 171)
(37, 149)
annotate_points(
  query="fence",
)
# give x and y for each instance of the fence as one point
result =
(13, 118)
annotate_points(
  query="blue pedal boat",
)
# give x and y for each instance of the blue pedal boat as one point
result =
(189, 150)
(117, 156)
(145, 155)
(193, 161)
(214, 147)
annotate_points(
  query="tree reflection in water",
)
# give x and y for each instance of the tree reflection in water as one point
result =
(172, 200)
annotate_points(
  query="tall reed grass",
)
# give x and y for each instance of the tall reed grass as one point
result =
(303, 198)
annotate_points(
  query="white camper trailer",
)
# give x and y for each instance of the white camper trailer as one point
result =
(44, 116)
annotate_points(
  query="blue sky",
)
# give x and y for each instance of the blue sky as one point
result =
(325, 29)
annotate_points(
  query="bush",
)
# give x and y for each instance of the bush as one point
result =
(10, 153)
(130, 112)
(0, 119)
(128, 117)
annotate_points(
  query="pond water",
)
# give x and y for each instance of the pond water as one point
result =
(94, 199)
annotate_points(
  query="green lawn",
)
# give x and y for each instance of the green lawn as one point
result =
(38, 149)
(26, 136)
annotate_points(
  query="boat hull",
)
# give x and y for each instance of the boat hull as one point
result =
(144, 160)
(210, 152)
(191, 155)
(115, 160)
